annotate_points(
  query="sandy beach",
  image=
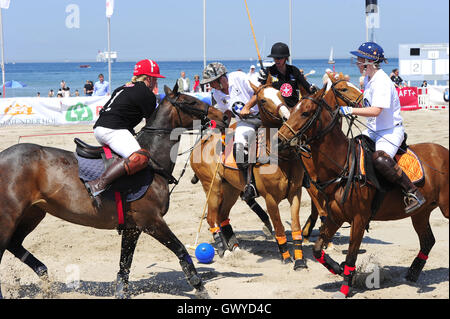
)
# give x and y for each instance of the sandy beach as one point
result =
(254, 272)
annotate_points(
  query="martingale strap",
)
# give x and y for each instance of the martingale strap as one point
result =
(117, 195)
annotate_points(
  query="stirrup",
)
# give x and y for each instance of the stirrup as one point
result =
(89, 189)
(413, 201)
(96, 200)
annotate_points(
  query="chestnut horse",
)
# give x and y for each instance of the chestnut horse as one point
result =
(35, 180)
(317, 123)
(284, 181)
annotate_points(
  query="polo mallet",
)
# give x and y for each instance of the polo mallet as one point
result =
(254, 37)
(204, 207)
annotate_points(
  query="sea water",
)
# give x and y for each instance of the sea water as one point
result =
(41, 77)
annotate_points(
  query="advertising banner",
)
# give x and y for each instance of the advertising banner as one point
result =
(408, 97)
(50, 111)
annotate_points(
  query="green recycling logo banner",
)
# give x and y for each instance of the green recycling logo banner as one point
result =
(50, 110)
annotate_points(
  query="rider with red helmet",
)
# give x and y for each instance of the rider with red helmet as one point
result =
(126, 108)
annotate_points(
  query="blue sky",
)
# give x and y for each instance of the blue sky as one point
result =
(173, 29)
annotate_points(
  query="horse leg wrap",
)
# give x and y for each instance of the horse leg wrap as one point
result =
(299, 261)
(219, 243)
(416, 267)
(28, 259)
(328, 263)
(284, 249)
(349, 272)
(189, 270)
(228, 235)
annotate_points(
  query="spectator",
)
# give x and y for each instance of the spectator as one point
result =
(196, 87)
(361, 82)
(398, 81)
(77, 93)
(325, 78)
(101, 87)
(183, 83)
(59, 94)
(88, 88)
(38, 94)
(65, 90)
(424, 84)
(51, 93)
(252, 74)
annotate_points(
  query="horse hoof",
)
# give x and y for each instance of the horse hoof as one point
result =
(236, 248)
(300, 264)
(287, 261)
(338, 295)
(202, 293)
(195, 281)
(267, 232)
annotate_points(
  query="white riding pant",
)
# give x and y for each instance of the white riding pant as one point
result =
(244, 131)
(120, 141)
(388, 140)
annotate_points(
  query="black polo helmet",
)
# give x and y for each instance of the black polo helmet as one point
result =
(279, 50)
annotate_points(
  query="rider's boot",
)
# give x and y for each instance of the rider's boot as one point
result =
(394, 174)
(250, 188)
(241, 158)
(120, 167)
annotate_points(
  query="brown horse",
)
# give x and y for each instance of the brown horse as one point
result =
(317, 123)
(283, 182)
(35, 180)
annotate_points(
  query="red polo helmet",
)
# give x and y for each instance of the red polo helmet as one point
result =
(147, 67)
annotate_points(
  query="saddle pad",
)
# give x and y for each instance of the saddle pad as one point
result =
(410, 164)
(134, 186)
(227, 155)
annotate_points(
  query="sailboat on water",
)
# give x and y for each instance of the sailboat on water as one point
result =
(331, 60)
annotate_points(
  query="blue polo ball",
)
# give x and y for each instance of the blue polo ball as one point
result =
(204, 253)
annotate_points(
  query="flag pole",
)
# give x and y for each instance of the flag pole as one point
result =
(3, 53)
(109, 54)
(204, 34)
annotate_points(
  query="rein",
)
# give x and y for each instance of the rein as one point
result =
(183, 107)
(347, 171)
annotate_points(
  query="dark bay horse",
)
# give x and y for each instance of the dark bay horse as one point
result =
(317, 123)
(35, 180)
(283, 181)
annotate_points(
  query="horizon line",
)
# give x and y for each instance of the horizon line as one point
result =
(168, 60)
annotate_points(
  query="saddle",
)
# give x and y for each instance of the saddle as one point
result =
(364, 170)
(406, 159)
(92, 162)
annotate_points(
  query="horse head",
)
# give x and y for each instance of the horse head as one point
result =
(273, 109)
(316, 115)
(181, 110)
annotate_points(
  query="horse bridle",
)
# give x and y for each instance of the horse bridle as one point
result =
(321, 103)
(266, 112)
(186, 107)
